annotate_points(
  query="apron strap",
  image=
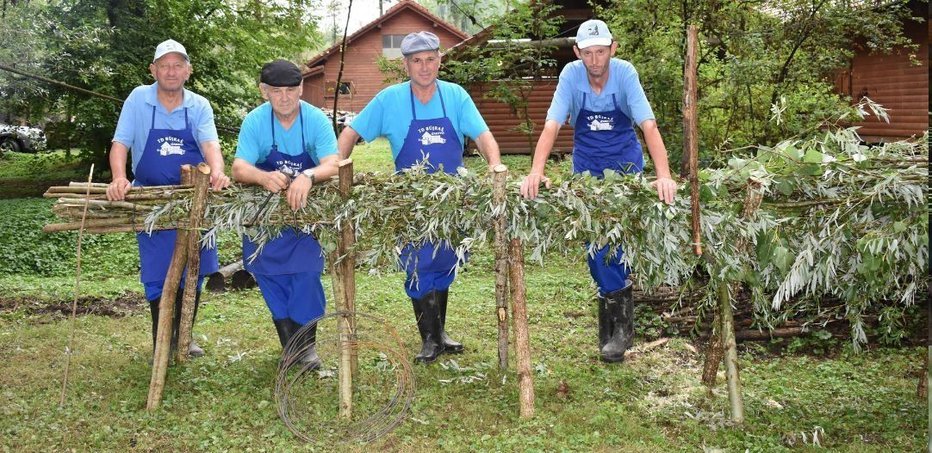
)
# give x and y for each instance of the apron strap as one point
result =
(300, 119)
(442, 105)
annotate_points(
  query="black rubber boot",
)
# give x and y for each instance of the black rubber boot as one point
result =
(308, 358)
(619, 313)
(283, 328)
(449, 345)
(154, 311)
(427, 316)
(605, 323)
(194, 350)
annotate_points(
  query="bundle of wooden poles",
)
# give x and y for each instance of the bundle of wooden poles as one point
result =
(105, 216)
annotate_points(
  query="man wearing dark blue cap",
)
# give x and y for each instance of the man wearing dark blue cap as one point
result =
(425, 121)
(165, 126)
(603, 99)
(282, 137)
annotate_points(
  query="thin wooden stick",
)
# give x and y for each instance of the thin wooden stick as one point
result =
(522, 338)
(193, 236)
(166, 314)
(74, 304)
(499, 175)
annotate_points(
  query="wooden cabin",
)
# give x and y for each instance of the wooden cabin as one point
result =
(362, 79)
(898, 80)
(503, 121)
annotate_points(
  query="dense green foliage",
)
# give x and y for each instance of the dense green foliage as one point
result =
(107, 46)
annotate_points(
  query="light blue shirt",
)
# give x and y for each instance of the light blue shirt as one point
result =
(255, 136)
(622, 82)
(135, 120)
(389, 114)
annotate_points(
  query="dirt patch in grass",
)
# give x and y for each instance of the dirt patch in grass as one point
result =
(53, 310)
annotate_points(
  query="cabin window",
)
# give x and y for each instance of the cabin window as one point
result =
(391, 46)
(347, 88)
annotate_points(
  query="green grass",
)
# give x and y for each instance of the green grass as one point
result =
(224, 401)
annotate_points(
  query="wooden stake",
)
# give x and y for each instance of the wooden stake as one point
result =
(166, 314)
(522, 338)
(691, 130)
(499, 175)
(731, 356)
(193, 239)
(347, 282)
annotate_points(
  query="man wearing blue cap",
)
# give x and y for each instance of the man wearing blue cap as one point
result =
(165, 126)
(425, 121)
(282, 137)
(603, 99)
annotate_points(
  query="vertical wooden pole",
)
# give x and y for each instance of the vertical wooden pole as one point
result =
(347, 280)
(167, 313)
(499, 174)
(691, 129)
(731, 356)
(522, 338)
(193, 239)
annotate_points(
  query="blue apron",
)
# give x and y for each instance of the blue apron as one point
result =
(606, 141)
(165, 152)
(288, 268)
(437, 142)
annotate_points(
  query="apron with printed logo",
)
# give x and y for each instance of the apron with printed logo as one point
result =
(165, 152)
(289, 264)
(606, 141)
(436, 142)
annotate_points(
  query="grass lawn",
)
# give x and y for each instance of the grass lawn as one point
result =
(846, 401)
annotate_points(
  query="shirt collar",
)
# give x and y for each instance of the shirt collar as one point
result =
(187, 100)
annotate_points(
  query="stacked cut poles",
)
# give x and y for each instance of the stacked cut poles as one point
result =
(509, 259)
(186, 240)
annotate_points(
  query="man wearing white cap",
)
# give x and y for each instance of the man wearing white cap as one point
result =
(165, 126)
(425, 121)
(603, 99)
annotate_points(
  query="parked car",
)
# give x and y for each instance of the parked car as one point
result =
(21, 139)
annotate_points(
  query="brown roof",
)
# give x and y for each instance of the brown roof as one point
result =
(392, 12)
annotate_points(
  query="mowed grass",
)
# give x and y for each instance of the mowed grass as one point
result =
(853, 402)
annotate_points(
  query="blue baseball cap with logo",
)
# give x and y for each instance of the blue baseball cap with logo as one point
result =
(593, 33)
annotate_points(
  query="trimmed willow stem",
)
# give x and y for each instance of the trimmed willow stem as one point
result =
(500, 174)
(522, 337)
(346, 268)
(166, 314)
(192, 238)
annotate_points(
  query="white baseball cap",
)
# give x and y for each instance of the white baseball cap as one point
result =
(167, 47)
(593, 33)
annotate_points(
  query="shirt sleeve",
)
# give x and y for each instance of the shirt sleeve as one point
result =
(637, 101)
(126, 127)
(559, 110)
(471, 123)
(324, 141)
(206, 129)
(368, 124)
(247, 145)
